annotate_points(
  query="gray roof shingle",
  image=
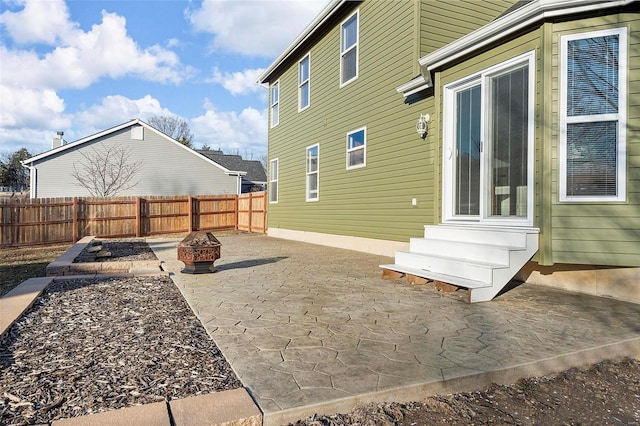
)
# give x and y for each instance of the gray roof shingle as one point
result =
(254, 169)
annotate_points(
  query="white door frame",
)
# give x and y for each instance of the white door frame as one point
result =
(450, 90)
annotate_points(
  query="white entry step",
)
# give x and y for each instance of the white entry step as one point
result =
(481, 258)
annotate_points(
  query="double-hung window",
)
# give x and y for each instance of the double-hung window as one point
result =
(273, 181)
(349, 49)
(356, 148)
(275, 103)
(593, 116)
(313, 158)
(303, 83)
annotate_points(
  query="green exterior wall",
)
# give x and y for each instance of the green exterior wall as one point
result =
(600, 233)
(443, 22)
(374, 201)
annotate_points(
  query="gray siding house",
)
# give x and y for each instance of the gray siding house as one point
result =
(166, 166)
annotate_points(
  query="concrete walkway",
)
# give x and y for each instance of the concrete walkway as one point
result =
(312, 329)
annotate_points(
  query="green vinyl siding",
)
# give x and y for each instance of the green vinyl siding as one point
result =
(372, 201)
(598, 232)
(445, 21)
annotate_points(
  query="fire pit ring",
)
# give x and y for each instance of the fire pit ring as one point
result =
(198, 251)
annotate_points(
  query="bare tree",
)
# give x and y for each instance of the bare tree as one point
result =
(173, 127)
(107, 171)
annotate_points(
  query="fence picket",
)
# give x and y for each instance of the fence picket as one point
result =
(56, 220)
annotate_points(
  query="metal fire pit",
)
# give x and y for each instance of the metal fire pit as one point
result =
(198, 251)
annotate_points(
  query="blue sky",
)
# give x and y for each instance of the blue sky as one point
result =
(83, 66)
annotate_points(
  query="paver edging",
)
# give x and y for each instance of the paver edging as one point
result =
(19, 299)
(553, 365)
(64, 265)
(153, 414)
(225, 408)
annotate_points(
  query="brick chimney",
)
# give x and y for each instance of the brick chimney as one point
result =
(58, 140)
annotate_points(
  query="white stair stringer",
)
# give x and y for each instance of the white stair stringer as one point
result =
(482, 259)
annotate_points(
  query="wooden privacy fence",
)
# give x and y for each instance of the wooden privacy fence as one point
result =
(56, 220)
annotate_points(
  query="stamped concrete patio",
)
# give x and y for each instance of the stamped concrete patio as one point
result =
(309, 328)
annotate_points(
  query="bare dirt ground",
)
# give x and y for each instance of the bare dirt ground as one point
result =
(607, 393)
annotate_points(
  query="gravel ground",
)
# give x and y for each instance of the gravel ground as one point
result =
(88, 346)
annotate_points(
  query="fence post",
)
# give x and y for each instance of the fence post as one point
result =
(74, 231)
(138, 217)
(250, 210)
(191, 215)
(264, 212)
(235, 214)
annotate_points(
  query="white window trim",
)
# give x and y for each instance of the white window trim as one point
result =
(482, 78)
(272, 180)
(620, 117)
(363, 148)
(273, 104)
(307, 81)
(307, 173)
(355, 46)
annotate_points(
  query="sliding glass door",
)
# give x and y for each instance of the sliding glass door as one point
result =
(488, 146)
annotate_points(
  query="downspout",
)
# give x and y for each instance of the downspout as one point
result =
(33, 182)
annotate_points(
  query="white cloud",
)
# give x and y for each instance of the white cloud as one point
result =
(39, 22)
(26, 107)
(32, 109)
(238, 83)
(42, 114)
(117, 109)
(254, 27)
(82, 58)
(244, 133)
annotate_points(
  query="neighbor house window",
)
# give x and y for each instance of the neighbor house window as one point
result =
(313, 157)
(349, 49)
(593, 116)
(275, 104)
(273, 181)
(303, 83)
(356, 148)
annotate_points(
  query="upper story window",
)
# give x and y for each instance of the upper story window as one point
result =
(273, 181)
(303, 83)
(356, 148)
(313, 158)
(593, 116)
(349, 36)
(275, 103)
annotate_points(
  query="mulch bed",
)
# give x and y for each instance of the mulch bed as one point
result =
(120, 250)
(88, 346)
